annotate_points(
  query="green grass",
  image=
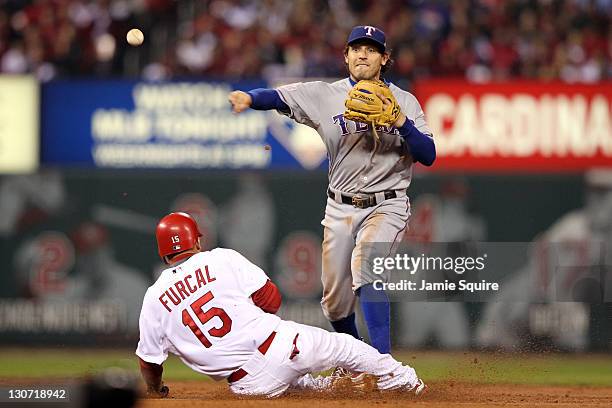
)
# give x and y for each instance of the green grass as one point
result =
(50, 363)
(541, 369)
(546, 369)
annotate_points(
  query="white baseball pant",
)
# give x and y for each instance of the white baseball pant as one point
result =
(280, 368)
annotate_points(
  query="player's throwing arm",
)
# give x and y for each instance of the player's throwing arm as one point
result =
(240, 101)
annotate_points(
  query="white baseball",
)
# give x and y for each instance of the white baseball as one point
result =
(135, 37)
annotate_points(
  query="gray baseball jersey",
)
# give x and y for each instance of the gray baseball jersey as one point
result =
(355, 163)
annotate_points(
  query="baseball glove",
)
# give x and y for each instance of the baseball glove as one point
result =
(364, 105)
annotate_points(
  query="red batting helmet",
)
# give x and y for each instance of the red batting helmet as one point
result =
(176, 232)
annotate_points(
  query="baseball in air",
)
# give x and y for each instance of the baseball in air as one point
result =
(135, 37)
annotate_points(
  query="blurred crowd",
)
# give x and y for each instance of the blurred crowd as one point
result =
(481, 40)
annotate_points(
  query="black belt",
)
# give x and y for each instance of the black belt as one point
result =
(361, 200)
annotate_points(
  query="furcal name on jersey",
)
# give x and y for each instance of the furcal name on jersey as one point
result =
(184, 288)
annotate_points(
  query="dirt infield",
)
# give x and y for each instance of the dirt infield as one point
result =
(448, 395)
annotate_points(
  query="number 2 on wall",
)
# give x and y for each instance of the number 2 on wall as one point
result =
(205, 316)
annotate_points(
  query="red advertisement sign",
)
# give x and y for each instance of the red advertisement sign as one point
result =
(518, 126)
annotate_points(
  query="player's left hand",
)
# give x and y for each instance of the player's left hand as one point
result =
(161, 393)
(388, 106)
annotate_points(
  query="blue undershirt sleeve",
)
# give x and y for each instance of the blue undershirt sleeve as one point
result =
(266, 99)
(422, 147)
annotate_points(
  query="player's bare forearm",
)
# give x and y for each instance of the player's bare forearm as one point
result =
(152, 375)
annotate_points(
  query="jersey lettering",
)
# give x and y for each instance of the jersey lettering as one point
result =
(342, 123)
(212, 321)
(321, 106)
(382, 129)
(191, 289)
(180, 286)
(173, 296)
(361, 127)
(210, 279)
(183, 289)
(206, 316)
(200, 278)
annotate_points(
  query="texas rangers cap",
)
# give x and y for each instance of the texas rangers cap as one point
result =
(370, 33)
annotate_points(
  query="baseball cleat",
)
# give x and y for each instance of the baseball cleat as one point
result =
(365, 382)
(420, 388)
(343, 379)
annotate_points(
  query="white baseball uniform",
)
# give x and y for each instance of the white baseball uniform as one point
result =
(202, 311)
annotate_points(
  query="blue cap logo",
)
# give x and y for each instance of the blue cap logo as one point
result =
(370, 33)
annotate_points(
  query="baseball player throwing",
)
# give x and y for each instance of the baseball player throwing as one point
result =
(374, 132)
(215, 310)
